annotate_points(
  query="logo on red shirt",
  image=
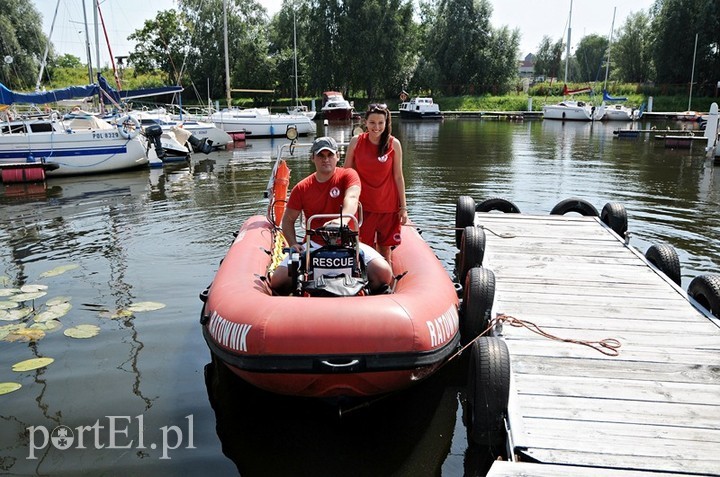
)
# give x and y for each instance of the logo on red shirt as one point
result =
(334, 192)
(383, 158)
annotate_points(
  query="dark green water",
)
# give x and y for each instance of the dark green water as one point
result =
(159, 235)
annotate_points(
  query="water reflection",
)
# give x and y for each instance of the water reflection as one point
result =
(408, 433)
(159, 234)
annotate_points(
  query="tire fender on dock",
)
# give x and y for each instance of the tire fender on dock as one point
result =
(614, 216)
(464, 216)
(574, 204)
(665, 258)
(472, 251)
(478, 299)
(501, 205)
(705, 289)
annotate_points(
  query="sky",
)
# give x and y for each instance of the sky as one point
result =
(533, 18)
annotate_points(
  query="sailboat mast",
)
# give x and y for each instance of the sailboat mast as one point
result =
(567, 51)
(692, 75)
(607, 65)
(87, 44)
(297, 97)
(227, 59)
(47, 48)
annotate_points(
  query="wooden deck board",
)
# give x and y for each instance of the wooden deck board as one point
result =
(654, 408)
(525, 469)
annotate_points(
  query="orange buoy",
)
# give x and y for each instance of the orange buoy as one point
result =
(280, 189)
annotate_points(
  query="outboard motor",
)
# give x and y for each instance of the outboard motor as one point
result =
(203, 145)
(153, 133)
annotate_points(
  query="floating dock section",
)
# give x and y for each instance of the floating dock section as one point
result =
(579, 404)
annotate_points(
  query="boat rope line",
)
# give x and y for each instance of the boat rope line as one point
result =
(440, 227)
(606, 346)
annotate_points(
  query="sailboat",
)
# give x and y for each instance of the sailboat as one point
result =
(616, 112)
(255, 122)
(298, 108)
(568, 109)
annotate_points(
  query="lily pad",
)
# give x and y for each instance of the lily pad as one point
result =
(9, 291)
(50, 325)
(7, 329)
(146, 306)
(30, 364)
(82, 331)
(25, 334)
(30, 288)
(119, 315)
(18, 313)
(7, 388)
(58, 300)
(7, 304)
(58, 270)
(54, 312)
(28, 296)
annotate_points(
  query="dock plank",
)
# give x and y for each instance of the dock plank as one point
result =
(654, 408)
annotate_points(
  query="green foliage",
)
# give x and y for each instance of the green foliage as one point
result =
(161, 45)
(630, 52)
(591, 55)
(21, 41)
(548, 59)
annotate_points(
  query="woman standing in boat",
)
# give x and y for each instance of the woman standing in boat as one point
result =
(377, 157)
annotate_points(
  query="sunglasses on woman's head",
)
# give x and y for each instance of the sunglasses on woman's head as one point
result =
(377, 107)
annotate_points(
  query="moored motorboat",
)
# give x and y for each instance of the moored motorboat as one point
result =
(335, 107)
(328, 346)
(420, 108)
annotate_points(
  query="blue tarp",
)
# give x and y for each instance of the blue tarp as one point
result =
(42, 97)
(607, 97)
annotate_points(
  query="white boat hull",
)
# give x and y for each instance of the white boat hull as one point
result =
(78, 153)
(620, 113)
(573, 111)
(258, 123)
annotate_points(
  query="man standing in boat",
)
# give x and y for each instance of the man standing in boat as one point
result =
(328, 190)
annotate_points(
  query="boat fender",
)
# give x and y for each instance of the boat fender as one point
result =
(472, 251)
(478, 299)
(614, 216)
(705, 289)
(129, 127)
(580, 206)
(464, 216)
(498, 204)
(665, 258)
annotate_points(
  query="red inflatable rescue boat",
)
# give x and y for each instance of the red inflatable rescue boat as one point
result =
(328, 346)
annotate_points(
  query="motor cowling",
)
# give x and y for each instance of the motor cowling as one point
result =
(153, 133)
(203, 145)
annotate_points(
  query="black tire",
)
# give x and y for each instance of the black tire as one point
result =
(472, 251)
(614, 216)
(464, 216)
(501, 205)
(665, 259)
(705, 289)
(574, 204)
(478, 299)
(488, 391)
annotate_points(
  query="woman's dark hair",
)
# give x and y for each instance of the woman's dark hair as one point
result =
(377, 108)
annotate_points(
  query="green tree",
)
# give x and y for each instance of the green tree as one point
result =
(630, 54)
(500, 61)
(22, 44)
(460, 33)
(379, 38)
(327, 68)
(251, 66)
(675, 24)
(161, 45)
(68, 61)
(591, 54)
(548, 60)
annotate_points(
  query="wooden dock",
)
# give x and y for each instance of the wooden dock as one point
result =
(652, 409)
